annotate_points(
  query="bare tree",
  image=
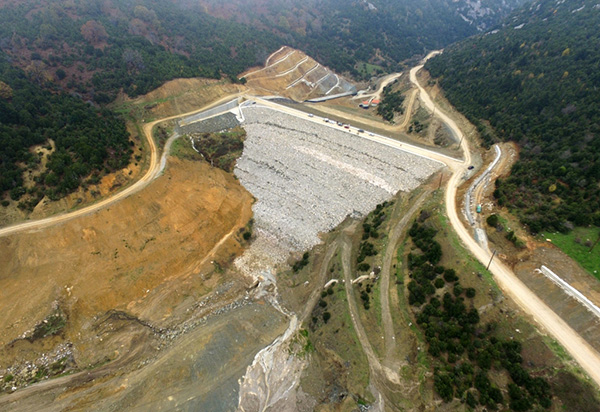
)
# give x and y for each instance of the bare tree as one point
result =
(94, 32)
(133, 59)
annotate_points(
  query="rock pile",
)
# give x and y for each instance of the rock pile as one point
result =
(308, 177)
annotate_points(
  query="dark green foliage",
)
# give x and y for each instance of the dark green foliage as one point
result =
(374, 221)
(537, 87)
(297, 266)
(60, 74)
(170, 41)
(322, 303)
(363, 267)
(492, 220)
(390, 104)
(450, 275)
(519, 401)
(471, 400)
(221, 149)
(365, 249)
(52, 325)
(416, 126)
(326, 316)
(364, 296)
(88, 140)
(340, 34)
(444, 386)
(510, 235)
(456, 340)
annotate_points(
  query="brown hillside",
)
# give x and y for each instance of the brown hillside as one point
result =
(142, 256)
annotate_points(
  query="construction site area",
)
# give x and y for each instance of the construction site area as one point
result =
(278, 281)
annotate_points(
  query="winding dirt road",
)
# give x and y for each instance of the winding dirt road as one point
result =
(376, 366)
(389, 254)
(578, 348)
(377, 94)
(153, 171)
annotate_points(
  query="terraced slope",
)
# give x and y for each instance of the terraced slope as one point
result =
(293, 74)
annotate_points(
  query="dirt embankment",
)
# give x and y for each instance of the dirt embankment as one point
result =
(178, 96)
(149, 256)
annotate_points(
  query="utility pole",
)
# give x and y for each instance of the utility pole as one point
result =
(461, 139)
(441, 177)
(488, 266)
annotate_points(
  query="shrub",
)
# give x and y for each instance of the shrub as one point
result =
(492, 220)
(363, 267)
(326, 316)
(471, 401)
(450, 275)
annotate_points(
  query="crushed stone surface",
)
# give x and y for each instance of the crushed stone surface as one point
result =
(308, 177)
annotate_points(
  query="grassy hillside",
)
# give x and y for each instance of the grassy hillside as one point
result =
(535, 82)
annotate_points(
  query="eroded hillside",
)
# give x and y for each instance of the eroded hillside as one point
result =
(144, 261)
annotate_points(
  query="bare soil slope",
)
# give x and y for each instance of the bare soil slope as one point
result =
(291, 73)
(178, 96)
(143, 256)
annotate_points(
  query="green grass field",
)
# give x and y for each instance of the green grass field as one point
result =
(574, 245)
(370, 69)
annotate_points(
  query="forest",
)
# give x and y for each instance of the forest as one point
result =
(535, 82)
(391, 103)
(88, 141)
(99, 48)
(57, 57)
(340, 33)
(466, 353)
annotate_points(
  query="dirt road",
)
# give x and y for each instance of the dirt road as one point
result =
(408, 110)
(377, 95)
(578, 348)
(153, 171)
(389, 255)
(390, 374)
